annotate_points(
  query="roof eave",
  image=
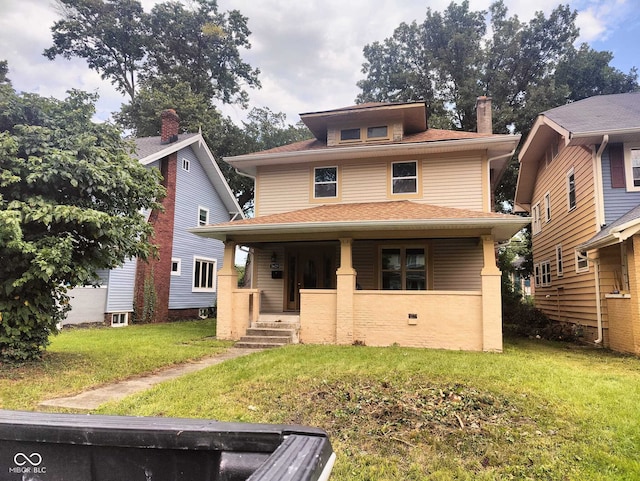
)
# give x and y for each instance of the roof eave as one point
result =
(497, 144)
(502, 229)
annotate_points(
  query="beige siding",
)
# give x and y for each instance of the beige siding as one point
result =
(453, 182)
(272, 299)
(571, 297)
(365, 258)
(457, 264)
(282, 189)
(446, 180)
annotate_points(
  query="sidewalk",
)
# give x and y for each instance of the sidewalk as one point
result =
(90, 400)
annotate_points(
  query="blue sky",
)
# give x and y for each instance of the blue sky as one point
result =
(309, 52)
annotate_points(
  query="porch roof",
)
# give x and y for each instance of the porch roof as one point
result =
(616, 232)
(360, 220)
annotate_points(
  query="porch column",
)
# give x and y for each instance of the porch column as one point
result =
(345, 287)
(491, 298)
(227, 283)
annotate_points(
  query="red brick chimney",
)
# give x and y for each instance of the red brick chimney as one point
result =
(170, 124)
(483, 114)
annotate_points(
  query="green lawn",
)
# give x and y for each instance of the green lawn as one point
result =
(537, 411)
(78, 359)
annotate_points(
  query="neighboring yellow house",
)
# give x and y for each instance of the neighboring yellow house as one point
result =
(378, 231)
(580, 180)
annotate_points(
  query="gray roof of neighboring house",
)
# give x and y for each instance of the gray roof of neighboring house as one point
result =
(146, 146)
(602, 112)
(614, 232)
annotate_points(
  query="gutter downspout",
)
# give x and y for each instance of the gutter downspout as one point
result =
(603, 145)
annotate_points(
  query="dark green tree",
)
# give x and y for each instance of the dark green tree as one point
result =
(118, 39)
(71, 202)
(525, 67)
(200, 47)
(4, 71)
(111, 35)
(586, 72)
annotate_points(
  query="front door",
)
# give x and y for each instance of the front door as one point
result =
(311, 267)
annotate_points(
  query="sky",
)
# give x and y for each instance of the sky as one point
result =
(309, 52)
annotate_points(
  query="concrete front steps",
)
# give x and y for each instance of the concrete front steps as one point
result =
(271, 330)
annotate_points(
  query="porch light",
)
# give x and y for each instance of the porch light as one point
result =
(274, 258)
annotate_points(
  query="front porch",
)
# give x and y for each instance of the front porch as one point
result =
(457, 310)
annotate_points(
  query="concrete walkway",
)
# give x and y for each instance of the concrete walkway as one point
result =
(90, 400)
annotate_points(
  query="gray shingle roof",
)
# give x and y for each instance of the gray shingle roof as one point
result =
(602, 112)
(146, 146)
(606, 233)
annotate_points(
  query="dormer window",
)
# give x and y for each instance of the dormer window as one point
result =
(379, 132)
(365, 134)
(347, 135)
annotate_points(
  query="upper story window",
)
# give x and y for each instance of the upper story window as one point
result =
(571, 189)
(547, 207)
(379, 132)
(404, 177)
(365, 134)
(203, 216)
(632, 166)
(325, 182)
(176, 266)
(186, 165)
(349, 134)
(536, 225)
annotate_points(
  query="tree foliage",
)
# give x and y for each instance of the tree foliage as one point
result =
(71, 202)
(131, 47)
(452, 57)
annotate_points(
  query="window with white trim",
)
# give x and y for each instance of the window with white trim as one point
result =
(325, 182)
(632, 166)
(119, 319)
(536, 275)
(403, 268)
(547, 207)
(545, 274)
(176, 266)
(582, 262)
(203, 216)
(559, 261)
(204, 274)
(404, 177)
(186, 165)
(571, 189)
(536, 225)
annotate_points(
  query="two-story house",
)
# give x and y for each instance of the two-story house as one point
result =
(580, 180)
(379, 231)
(180, 281)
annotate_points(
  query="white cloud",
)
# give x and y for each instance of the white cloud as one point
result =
(309, 52)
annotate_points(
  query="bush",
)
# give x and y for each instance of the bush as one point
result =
(521, 318)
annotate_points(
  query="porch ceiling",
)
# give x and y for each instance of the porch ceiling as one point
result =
(399, 219)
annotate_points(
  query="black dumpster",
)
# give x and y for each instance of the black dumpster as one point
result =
(74, 447)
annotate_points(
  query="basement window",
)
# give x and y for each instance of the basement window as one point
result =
(119, 319)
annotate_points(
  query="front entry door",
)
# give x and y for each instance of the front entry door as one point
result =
(312, 267)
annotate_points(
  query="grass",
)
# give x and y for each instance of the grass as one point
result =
(538, 411)
(79, 359)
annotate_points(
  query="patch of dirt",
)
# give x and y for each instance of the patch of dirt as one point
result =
(406, 411)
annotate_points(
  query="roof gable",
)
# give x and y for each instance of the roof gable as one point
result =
(150, 149)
